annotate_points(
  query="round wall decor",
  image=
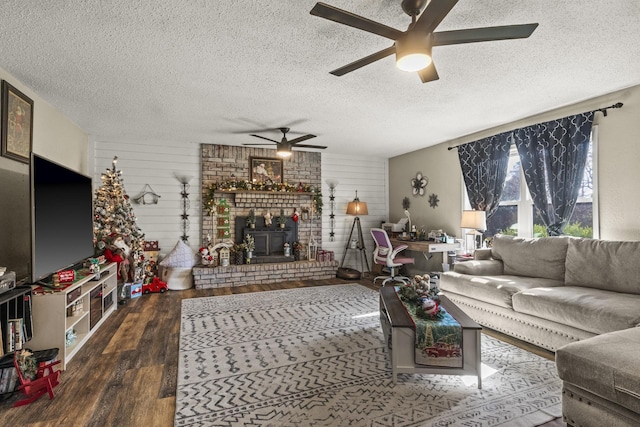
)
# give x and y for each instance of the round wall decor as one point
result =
(418, 184)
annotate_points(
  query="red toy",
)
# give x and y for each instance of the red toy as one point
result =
(46, 379)
(156, 285)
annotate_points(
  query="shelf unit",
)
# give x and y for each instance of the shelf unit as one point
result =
(82, 307)
(15, 304)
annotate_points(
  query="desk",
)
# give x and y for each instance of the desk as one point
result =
(428, 248)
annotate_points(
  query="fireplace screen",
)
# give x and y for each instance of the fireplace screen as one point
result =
(269, 240)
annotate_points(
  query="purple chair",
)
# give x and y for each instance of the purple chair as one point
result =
(387, 255)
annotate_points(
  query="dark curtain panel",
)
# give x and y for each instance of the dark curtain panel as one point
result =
(553, 156)
(484, 168)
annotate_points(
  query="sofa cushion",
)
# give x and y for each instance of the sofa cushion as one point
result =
(487, 267)
(610, 265)
(593, 310)
(491, 289)
(543, 257)
(605, 365)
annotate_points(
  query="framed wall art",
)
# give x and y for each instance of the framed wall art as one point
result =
(16, 124)
(266, 170)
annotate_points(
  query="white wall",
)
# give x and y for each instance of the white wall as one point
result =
(54, 136)
(156, 163)
(369, 176)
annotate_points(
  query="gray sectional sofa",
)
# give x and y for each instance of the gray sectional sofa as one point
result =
(568, 295)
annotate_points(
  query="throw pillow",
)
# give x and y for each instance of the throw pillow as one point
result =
(541, 257)
(181, 256)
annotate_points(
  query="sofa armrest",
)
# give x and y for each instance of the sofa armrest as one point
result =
(482, 254)
(488, 267)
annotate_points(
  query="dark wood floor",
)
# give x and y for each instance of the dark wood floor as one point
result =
(126, 373)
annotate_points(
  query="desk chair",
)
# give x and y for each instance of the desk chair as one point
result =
(387, 255)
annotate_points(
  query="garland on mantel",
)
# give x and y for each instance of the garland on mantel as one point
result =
(267, 186)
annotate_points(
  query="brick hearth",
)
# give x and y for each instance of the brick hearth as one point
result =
(250, 274)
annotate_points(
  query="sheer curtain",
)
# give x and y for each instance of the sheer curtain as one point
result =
(553, 156)
(484, 169)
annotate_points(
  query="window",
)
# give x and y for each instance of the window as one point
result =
(516, 215)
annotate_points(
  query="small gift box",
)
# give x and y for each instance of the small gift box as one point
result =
(151, 245)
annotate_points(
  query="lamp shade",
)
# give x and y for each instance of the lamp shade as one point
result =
(476, 220)
(332, 183)
(284, 149)
(357, 207)
(413, 51)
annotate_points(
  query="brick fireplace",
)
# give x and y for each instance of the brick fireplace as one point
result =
(223, 162)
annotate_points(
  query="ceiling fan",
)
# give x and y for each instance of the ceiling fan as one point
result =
(413, 46)
(284, 146)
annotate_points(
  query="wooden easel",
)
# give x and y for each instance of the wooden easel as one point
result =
(360, 246)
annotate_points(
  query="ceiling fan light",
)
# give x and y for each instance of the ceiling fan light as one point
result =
(413, 51)
(413, 61)
(283, 150)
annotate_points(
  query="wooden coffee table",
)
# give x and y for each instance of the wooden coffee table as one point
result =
(399, 335)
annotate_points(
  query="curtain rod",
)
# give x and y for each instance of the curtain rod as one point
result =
(602, 110)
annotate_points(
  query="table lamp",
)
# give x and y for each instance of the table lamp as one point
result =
(477, 222)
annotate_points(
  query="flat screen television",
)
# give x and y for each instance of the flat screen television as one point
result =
(62, 217)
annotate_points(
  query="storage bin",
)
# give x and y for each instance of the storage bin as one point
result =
(177, 279)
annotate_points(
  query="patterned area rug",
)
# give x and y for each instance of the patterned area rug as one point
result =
(316, 357)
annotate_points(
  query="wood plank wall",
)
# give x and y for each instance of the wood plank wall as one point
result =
(158, 162)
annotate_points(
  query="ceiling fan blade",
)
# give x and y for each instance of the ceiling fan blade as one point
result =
(256, 143)
(433, 15)
(484, 34)
(321, 147)
(364, 61)
(250, 131)
(268, 139)
(293, 123)
(429, 73)
(301, 138)
(347, 18)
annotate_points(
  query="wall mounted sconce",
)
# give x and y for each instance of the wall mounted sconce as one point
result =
(332, 207)
(184, 180)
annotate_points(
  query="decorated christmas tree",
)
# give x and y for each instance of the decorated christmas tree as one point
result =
(116, 234)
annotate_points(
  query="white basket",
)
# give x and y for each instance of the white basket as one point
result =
(177, 279)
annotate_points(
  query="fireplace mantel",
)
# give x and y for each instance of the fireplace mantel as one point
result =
(241, 197)
(275, 192)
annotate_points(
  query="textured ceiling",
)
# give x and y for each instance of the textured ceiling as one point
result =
(207, 71)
